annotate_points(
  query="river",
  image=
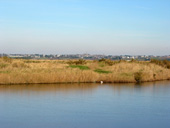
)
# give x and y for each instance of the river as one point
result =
(145, 105)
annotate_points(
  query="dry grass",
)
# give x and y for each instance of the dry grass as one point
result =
(17, 71)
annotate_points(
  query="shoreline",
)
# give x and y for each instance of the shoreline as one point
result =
(97, 82)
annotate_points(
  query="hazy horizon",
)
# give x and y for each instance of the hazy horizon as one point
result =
(9, 53)
(118, 27)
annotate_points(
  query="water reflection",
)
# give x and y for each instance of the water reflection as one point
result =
(65, 88)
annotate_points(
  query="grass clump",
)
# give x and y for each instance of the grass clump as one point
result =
(81, 67)
(102, 71)
(2, 65)
(4, 71)
(138, 76)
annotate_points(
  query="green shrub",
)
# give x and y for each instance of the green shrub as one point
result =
(81, 67)
(102, 71)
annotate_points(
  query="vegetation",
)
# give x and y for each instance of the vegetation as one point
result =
(7, 59)
(18, 71)
(163, 63)
(2, 65)
(32, 61)
(76, 62)
(108, 61)
(138, 76)
(102, 71)
(82, 67)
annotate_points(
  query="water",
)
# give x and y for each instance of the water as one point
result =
(85, 106)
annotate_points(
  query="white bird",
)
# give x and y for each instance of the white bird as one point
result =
(101, 82)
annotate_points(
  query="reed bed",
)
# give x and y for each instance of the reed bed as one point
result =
(18, 71)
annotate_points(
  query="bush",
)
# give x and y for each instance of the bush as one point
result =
(168, 66)
(138, 77)
(77, 62)
(108, 61)
(102, 60)
(154, 76)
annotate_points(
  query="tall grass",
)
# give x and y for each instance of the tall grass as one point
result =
(60, 71)
(163, 63)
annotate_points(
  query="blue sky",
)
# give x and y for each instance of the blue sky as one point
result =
(85, 26)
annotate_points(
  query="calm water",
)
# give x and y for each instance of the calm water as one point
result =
(85, 106)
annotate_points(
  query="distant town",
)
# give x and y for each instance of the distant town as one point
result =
(85, 56)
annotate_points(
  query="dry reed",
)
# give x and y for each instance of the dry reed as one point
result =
(17, 71)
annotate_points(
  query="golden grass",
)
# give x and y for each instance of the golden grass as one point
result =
(58, 71)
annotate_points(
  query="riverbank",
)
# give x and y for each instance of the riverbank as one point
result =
(17, 71)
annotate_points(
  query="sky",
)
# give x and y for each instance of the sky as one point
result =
(110, 27)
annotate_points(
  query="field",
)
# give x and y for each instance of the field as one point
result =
(18, 71)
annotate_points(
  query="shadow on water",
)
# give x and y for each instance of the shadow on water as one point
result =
(83, 87)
